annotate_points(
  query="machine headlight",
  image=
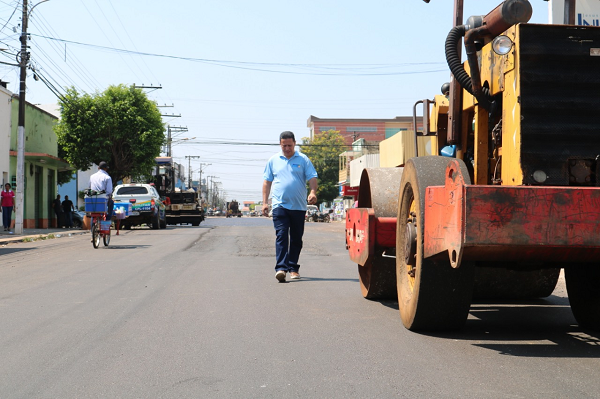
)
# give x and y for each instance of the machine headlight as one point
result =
(502, 45)
(540, 176)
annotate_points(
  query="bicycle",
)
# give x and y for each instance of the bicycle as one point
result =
(100, 229)
(96, 204)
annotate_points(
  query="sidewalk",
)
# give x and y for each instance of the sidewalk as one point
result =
(37, 234)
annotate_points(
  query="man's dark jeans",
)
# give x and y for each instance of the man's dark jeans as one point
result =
(68, 218)
(110, 204)
(289, 229)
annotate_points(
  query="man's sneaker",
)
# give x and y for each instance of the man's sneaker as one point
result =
(294, 276)
(280, 275)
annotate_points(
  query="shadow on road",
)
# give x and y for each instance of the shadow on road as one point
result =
(6, 251)
(534, 328)
(354, 280)
(126, 246)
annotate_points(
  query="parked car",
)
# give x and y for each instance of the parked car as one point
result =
(78, 219)
(147, 208)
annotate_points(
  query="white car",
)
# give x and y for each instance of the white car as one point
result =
(146, 206)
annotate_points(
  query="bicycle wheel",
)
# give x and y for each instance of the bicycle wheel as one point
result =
(96, 234)
(106, 239)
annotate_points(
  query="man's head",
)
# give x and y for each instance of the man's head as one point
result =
(66, 197)
(103, 165)
(58, 196)
(287, 141)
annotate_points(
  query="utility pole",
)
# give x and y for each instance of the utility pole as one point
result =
(173, 129)
(200, 181)
(189, 157)
(168, 140)
(216, 194)
(23, 60)
(152, 88)
(164, 106)
(209, 190)
(211, 194)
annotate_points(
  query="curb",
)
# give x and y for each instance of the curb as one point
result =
(37, 237)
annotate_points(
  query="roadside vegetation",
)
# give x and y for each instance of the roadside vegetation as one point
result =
(324, 151)
(120, 126)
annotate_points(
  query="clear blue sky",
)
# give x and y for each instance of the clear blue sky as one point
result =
(243, 71)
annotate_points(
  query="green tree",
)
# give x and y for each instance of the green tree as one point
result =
(64, 176)
(119, 126)
(324, 151)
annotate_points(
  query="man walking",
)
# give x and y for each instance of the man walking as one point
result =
(68, 208)
(287, 173)
(57, 206)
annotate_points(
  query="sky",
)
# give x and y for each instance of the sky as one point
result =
(237, 73)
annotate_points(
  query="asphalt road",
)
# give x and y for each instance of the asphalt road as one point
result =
(196, 312)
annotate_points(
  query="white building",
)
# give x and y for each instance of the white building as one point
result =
(5, 129)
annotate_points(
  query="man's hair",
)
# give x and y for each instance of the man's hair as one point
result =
(287, 135)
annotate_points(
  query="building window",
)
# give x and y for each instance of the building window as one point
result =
(361, 129)
(326, 128)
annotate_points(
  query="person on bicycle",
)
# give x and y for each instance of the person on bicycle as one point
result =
(101, 181)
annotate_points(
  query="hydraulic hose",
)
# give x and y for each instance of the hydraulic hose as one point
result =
(457, 68)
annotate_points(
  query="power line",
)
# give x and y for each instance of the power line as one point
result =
(9, 18)
(74, 64)
(268, 144)
(260, 66)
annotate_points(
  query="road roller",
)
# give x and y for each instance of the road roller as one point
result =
(512, 196)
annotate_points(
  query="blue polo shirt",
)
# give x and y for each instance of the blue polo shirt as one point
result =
(289, 177)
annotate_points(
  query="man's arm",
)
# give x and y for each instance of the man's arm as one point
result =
(109, 186)
(266, 189)
(312, 196)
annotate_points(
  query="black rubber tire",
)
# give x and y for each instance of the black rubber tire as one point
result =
(378, 278)
(195, 224)
(436, 297)
(156, 221)
(96, 235)
(584, 296)
(106, 239)
(493, 281)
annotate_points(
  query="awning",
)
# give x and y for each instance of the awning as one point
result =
(45, 159)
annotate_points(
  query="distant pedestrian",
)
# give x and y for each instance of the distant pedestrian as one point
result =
(8, 206)
(57, 206)
(287, 173)
(68, 208)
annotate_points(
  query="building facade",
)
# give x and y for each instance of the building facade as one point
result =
(5, 124)
(41, 164)
(371, 130)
